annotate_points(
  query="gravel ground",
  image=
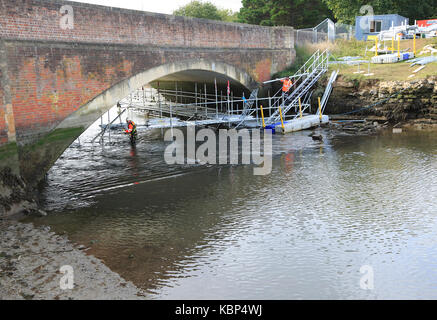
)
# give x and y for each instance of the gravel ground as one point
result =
(30, 262)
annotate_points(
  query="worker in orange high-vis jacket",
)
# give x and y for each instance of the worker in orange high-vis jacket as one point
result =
(286, 86)
(131, 127)
(131, 130)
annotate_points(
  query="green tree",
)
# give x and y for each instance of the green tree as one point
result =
(296, 13)
(346, 10)
(255, 12)
(228, 15)
(198, 9)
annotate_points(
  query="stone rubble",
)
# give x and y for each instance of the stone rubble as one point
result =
(417, 103)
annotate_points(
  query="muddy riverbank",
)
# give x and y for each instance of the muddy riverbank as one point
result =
(410, 102)
(30, 263)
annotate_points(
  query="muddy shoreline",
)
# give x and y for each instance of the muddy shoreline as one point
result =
(30, 263)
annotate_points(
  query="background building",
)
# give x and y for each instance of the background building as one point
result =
(372, 25)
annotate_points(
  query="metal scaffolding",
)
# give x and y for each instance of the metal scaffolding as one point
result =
(167, 108)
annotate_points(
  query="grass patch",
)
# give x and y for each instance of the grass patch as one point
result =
(8, 150)
(341, 48)
(388, 72)
(60, 135)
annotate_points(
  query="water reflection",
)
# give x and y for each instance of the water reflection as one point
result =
(302, 232)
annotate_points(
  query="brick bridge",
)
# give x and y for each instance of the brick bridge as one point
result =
(63, 64)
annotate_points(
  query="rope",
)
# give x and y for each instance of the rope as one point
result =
(374, 104)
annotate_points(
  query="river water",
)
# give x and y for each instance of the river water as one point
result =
(219, 232)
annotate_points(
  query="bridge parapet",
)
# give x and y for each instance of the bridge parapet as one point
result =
(79, 22)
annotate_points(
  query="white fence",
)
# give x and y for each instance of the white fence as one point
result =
(327, 30)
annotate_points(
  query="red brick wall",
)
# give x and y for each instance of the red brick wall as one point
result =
(40, 20)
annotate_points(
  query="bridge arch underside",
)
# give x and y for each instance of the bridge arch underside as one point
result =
(36, 161)
(185, 74)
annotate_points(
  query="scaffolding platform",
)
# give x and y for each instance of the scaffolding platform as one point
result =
(282, 112)
(165, 123)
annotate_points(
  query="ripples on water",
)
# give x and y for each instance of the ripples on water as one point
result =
(302, 232)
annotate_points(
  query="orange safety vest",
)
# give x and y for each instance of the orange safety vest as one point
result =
(287, 85)
(130, 127)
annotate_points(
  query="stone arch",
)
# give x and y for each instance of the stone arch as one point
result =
(91, 111)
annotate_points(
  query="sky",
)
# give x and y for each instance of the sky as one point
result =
(161, 6)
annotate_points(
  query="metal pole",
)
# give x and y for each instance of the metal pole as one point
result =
(195, 90)
(229, 111)
(232, 103)
(159, 101)
(171, 119)
(176, 83)
(320, 110)
(256, 110)
(109, 129)
(216, 101)
(300, 108)
(101, 124)
(262, 115)
(206, 101)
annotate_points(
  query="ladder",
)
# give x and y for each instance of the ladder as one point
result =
(328, 90)
(307, 75)
(249, 108)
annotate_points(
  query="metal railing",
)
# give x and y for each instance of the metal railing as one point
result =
(308, 74)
